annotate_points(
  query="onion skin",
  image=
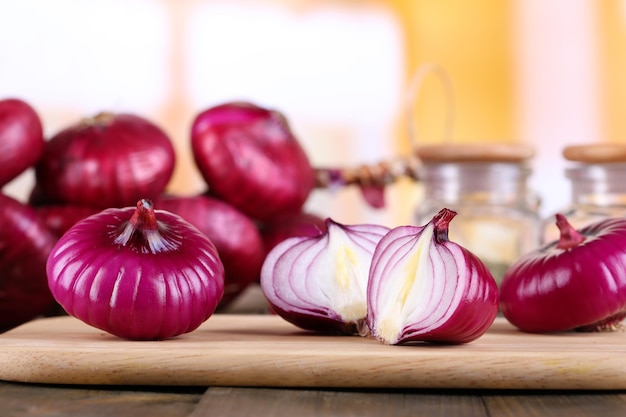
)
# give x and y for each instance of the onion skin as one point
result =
(424, 288)
(235, 236)
(137, 273)
(110, 160)
(249, 157)
(25, 243)
(569, 284)
(21, 138)
(319, 283)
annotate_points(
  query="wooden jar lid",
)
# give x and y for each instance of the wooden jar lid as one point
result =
(475, 152)
(596, 153)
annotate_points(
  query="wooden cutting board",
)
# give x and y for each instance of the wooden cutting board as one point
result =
(264, 350)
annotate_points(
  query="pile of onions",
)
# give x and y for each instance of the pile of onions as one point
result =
(110, 160)
(249, 157)
(21, 138)
(25, 243)
(577, 282)
(257, 174)
(137, 273)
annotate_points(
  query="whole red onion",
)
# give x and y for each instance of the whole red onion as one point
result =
(137, 273)
(25, 243)
(235, 236)
(21, 138)
(319, 283)
(110, 160)
(422, 287)
(576, 282)
(249, 157)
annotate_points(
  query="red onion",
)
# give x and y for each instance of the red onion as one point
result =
(60, 218)
(319, 283)
(25, 243)
(576, 282)
(249, 158)
(110, 160)
(137, 273)
(21, 138)
(235, 236)
(423, 287)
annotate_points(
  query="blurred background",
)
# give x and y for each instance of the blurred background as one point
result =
(548, 74)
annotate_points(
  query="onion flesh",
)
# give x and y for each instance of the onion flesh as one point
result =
(424, 288)
(137, 273)
(319, 283)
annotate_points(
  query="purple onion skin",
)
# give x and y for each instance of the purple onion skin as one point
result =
(578, 288)
(295, 268)
(25, 243)
(235, 236)
(249, 158)
(21, 138)
(110, 160)
(463, 318)
(130, 289)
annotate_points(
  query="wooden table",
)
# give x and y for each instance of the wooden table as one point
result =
(88, 401)
(23, 400)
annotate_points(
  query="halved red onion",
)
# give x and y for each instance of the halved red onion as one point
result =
(235, 236)
(137, 273)
(21, 138)
(423, 287)
(577, 282)
(110, 160)
(250, 158)
(25, 243)
(319, 283)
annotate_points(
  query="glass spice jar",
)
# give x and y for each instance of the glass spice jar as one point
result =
(486, 184)
(597, 177)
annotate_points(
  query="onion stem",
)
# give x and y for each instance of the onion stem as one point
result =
(569, 238)
(441, 222)
(142, 230)
(144, 218)
(101, 119)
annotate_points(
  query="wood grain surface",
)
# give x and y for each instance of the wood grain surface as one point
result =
(266, 351)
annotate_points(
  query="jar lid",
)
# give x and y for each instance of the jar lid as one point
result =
(596, 153)
(475, 152)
